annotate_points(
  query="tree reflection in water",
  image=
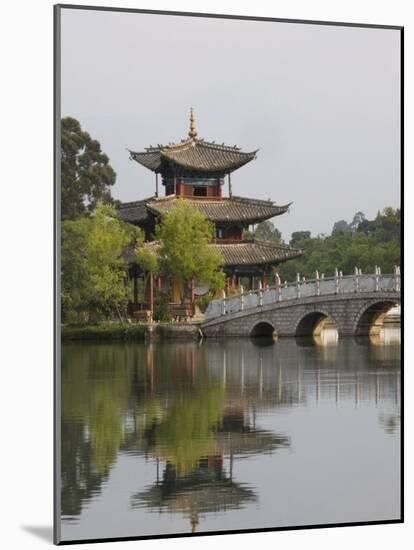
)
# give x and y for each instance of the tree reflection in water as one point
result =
(193, 410)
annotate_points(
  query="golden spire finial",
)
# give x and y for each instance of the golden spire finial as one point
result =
(192, 133)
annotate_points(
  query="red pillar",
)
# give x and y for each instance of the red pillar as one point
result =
(158, 282)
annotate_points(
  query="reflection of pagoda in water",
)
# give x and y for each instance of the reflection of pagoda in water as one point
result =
(206, 489)
(209, 487)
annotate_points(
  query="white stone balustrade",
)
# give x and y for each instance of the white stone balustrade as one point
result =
(301, 288)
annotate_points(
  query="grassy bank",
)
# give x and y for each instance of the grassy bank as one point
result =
(118, 331)
(104, 331)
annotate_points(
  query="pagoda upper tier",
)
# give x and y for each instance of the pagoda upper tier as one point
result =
(195, 155)
(193, 166)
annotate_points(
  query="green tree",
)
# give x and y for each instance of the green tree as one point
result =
(340, 226)
(93, 269)
(147, 258)
(265, 231)
(74, 280)
(369, 243)
(184, 252)
(86, 175)
(106, 268)
(299, 236)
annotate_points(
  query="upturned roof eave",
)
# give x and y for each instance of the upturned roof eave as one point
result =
(276, 210)
(288, 253)
(169, 153)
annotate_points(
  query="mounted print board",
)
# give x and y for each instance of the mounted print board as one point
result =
(228, 282)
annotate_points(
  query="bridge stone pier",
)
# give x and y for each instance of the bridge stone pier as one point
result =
(355, 304)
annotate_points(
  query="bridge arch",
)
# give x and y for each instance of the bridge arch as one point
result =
(370, 317)
(312, 322)
(262, 328)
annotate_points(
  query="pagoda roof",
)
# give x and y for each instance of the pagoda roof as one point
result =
(240, 253)
(216, 209)
(194, 154)
(255, 252)
(134, 212)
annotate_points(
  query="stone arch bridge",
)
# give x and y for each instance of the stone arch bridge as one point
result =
(355, 304)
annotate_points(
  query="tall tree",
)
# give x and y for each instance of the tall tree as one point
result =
(184, 235)
(86, 175)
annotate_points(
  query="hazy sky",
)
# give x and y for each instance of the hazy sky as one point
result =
(320, 102)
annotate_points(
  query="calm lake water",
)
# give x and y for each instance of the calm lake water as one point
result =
(177, 437)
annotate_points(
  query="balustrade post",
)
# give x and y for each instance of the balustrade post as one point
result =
(223, 302)
(260, 293)
(318, 283)
(376, 279)
(336, 281)
(297, 285)
(397, 278)
(278, 289)
(356, 278)
(241, 298)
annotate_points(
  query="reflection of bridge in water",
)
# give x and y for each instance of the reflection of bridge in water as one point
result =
(355, 305)
(276, 377)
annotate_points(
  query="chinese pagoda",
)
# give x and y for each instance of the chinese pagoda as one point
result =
(195, 170)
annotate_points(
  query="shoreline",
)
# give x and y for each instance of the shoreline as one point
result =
(130, 331)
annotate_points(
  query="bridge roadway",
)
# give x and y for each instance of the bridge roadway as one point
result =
(355, 304)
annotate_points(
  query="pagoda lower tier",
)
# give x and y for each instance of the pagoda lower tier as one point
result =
(248, 261)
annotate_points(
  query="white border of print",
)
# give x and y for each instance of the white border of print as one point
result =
(27, 270)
